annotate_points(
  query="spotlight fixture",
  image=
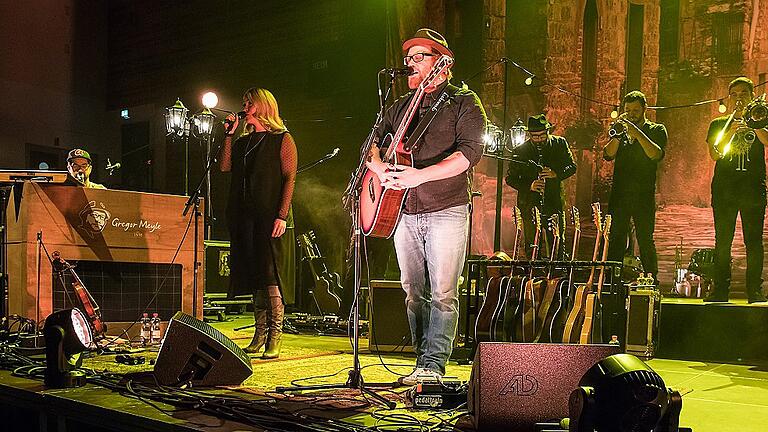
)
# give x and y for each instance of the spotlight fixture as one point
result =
(622, 393)
(615, 112)
(210, 100)
(67, 334)
(721, 107)
(529, 80)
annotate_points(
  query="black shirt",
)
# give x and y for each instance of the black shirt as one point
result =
(458, 126)
(634, 173)
(555, 154)
(735, 174)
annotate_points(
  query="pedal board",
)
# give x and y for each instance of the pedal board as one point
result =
(446, 393)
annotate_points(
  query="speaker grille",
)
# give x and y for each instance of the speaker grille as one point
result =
(212, 333)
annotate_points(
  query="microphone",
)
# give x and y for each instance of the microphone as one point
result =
(334, 152)
(404, 71)
(240, 115)
(111, 167)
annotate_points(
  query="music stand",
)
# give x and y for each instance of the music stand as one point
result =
(352, 202)
(8, 180)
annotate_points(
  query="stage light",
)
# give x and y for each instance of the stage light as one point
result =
(67, 334)
(204, 123)
(176, 119)
(210, 100)
(622, 393)
(529, 80)
(517, 134)
(615, 112)
(722, 108)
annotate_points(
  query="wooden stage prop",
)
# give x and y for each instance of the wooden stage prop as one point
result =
(99, 226)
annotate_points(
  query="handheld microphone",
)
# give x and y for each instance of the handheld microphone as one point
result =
(404, 71)
(228, 123)
(111, 167)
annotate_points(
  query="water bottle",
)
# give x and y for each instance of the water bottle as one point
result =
(156, 333)
(146, 329)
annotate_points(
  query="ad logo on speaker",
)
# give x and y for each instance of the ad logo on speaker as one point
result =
(521, 385)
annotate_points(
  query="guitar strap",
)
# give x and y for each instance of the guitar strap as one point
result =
(426, 120)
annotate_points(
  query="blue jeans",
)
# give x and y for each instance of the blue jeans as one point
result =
(431, 250)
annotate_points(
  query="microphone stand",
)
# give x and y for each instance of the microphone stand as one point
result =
(194, 202)
(311, 165)
(352, 203)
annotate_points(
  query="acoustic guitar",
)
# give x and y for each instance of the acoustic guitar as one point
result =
(327, 286)
(551, 283)
(487, 315)
(591, 328)
(525, 318)
(503, 316)
(554, 324)
(572, 329)
(87, 304)
(380, 208)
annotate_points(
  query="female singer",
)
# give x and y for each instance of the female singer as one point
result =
(263, 165)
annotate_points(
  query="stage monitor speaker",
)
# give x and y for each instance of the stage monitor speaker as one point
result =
(513, 386)
(216, 266)
(194, 351)
(388, 329)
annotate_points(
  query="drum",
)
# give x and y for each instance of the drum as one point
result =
(702, 263)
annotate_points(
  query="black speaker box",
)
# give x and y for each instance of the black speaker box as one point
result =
(194, 351)
(515, 385)
(388, 323)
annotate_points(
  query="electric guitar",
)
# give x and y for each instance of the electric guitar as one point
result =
(555, 323)
(87, 303)
(591, 329)
(572, 329)
(327, 285)
(380, 208)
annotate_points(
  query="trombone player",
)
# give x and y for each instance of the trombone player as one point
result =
(736, 144)
(636, 147)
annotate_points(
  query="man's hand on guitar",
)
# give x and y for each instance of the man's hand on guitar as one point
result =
(401, 177)
(547, 173)
(538, 185)
(278, 228)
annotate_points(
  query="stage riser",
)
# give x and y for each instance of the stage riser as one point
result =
(712, 332)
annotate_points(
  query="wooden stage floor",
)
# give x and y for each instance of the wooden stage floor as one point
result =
(717, 397)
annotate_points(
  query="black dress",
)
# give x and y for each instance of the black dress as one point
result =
(261, 188)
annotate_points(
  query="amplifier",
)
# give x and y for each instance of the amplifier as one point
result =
(216, 266)
(387, 320)
(643, 307)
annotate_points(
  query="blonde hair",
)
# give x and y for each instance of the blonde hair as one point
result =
(267, 112)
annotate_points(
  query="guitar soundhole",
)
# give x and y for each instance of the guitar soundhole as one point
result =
(371, 192)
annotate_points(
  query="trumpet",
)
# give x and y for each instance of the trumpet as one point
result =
(756, 113)
(617, 130)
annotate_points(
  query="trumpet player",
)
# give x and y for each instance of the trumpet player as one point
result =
(539, 166)
(636, 147)
(738, 186)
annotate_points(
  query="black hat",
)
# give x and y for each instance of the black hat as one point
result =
(429, 38)
(538, 123)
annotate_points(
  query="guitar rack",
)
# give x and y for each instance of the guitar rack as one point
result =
(613, 294)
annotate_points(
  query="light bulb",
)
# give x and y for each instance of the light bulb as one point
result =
(210, 100)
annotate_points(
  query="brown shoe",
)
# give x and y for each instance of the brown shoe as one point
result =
(259, 332)
(275, 324)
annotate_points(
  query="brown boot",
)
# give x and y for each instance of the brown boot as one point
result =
(275, 323)
(260, 324)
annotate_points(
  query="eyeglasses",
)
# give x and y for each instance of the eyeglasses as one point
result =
(77, 165)
(417, 58)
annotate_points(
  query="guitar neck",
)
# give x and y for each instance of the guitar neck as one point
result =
(601, 278)
(595, 253)
(410, 113)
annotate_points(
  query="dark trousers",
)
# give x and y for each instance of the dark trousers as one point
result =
(545, 241)
(752, 216)
(643, 213)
